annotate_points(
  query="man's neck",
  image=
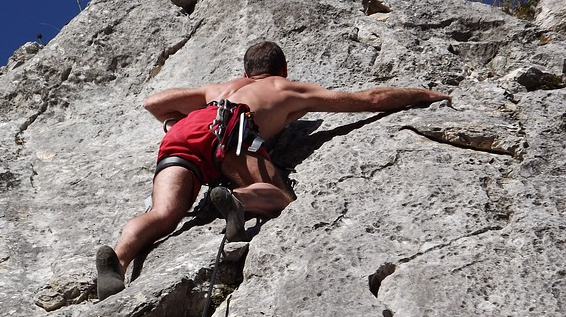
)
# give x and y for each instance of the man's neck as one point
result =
(260, 76)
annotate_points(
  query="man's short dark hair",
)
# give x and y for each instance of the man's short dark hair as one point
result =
(264, 58)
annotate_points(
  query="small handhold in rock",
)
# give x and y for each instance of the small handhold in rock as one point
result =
(376, 278)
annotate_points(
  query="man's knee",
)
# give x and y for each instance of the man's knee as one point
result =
(165, 220)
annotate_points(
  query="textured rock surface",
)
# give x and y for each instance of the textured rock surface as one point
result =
(439, 211)
(552, 15)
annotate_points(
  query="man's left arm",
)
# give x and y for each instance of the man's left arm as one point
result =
(392, 99)
(319, 99)
(386, 99)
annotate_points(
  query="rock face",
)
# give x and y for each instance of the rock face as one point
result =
(552, 15)
(437, 211)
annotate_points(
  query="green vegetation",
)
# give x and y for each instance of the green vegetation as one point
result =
(523, 9)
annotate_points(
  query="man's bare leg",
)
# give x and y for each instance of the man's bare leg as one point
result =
(257, 184)
(267, 199)
(172, 198)
(264, 200)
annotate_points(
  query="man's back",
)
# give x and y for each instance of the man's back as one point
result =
(272, 100)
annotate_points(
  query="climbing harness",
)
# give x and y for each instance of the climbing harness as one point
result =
(230, 116)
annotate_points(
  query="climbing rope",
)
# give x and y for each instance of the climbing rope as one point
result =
(213, 277)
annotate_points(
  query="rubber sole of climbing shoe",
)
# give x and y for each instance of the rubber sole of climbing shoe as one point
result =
(233, 211)
(110, 279)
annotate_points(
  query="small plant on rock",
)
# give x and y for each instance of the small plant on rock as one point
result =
(523, 9)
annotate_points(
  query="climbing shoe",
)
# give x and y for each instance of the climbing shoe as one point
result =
(232, 210)
(110, 280)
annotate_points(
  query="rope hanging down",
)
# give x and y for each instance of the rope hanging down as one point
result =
(213, 277)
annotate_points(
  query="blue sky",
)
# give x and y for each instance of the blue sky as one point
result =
(22, 20)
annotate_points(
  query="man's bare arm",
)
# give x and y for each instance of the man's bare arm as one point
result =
(175, 103)
(389, 98)
(376, 99)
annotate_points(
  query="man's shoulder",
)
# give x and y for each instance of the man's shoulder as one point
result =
(236, 82)
(223, 90)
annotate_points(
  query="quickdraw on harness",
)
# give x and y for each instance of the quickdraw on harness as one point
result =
(234, 125)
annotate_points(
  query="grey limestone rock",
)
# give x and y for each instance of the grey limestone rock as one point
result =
(551, 15)
(445, 210)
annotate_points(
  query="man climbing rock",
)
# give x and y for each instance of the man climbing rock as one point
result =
(186, 154)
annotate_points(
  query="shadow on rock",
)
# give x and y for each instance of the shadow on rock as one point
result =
(297, 143)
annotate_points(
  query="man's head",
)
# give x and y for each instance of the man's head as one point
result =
(265, 58)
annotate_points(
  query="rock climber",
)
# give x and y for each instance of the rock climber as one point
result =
(185, 159)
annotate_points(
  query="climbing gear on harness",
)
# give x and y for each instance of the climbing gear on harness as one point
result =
(229, 116)
(166, 123)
